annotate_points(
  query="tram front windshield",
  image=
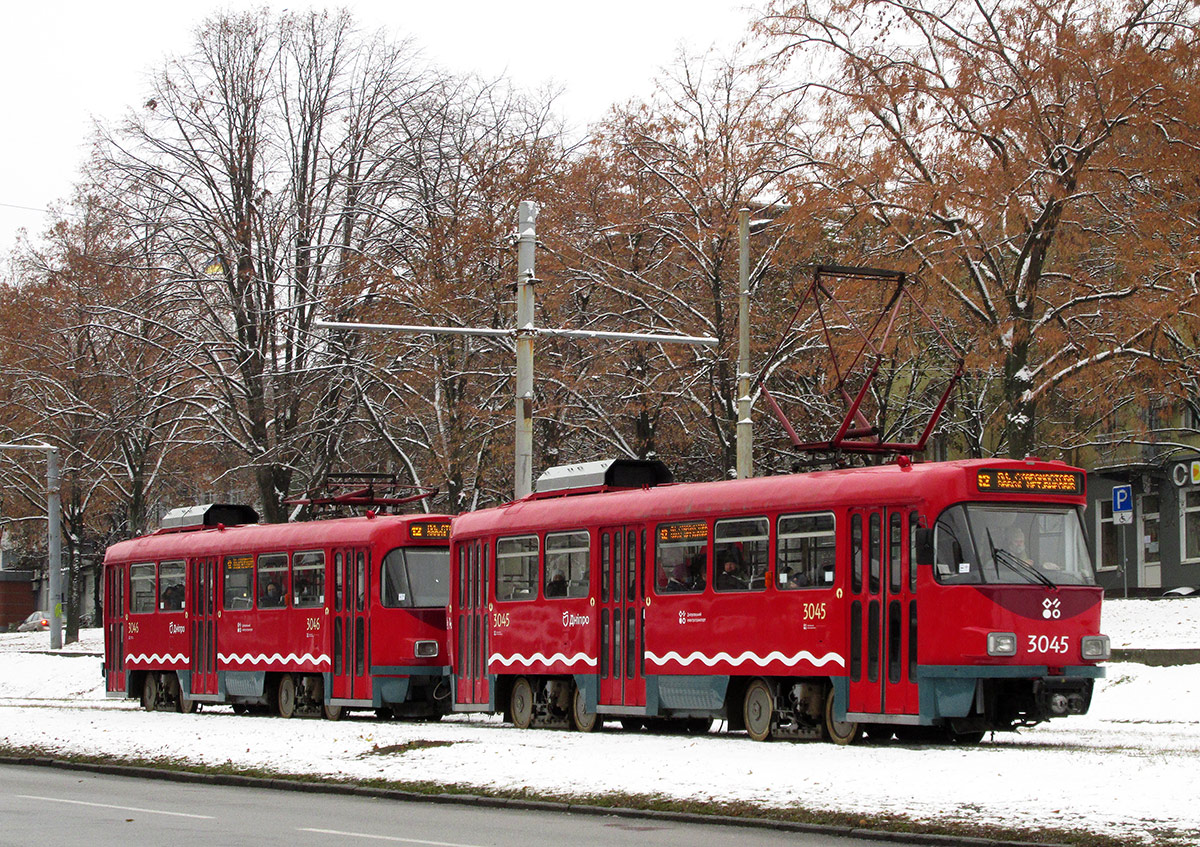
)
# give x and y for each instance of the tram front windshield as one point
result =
(416, 577)
(978, 543)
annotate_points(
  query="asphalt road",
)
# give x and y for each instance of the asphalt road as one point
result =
(47, 806)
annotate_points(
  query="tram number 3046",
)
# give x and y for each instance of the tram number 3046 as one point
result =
(1048, 644)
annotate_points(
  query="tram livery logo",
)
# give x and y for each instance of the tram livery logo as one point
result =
(1051, 608)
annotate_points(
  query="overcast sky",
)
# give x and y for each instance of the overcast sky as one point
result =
(65, 63)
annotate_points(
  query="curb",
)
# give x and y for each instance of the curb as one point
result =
(1157, 657)
(516, 804)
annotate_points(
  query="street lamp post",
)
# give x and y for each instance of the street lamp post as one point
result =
(53, 509)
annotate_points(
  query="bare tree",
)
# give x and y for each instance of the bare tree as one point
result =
(261, 162)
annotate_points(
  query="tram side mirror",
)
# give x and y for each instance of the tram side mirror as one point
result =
(924, 546)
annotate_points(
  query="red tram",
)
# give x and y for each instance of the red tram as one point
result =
(304, 618)
(947, 598)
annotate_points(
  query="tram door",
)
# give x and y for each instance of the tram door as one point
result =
(882, 613)
(351, 636)
(202, 620)
(472, 625)
(114, 621)
(622, 619)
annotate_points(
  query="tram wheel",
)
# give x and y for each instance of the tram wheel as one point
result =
(285, 696)
(333, 713)
(521, 703)
(758, 708)
(581, 718)
(839, 732)
(176, 695)
(150, 689)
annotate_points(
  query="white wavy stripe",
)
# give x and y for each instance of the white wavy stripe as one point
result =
(748, 656)
(154, 657)
(262, 658)
(509, 661)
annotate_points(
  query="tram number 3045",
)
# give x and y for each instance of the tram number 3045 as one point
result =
(1048, 644)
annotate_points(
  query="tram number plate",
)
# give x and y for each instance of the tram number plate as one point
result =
(1048, 643)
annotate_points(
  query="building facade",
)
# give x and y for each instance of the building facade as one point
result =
(1159, 549)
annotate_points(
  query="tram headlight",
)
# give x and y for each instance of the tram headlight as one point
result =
(1095, 648)
(1002, 644)
(426, 649)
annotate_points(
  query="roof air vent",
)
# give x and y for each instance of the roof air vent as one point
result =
(211, 514)
(607, 473)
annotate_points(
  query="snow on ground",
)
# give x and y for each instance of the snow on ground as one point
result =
(1165, 623)
(1130, 768)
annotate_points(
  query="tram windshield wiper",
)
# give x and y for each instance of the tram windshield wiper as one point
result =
(1002, 556)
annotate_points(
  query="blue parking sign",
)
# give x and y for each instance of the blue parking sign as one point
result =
(1122, 504)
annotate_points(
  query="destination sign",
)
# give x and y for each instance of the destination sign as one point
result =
(1029, 482)
(695, 531)
(237, 563)
(430, 530)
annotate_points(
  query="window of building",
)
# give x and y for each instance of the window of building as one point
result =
(805, 552)
(308, 579)
(170, 586)
(1191, 414)
(141, 588)
(517, 568)
(567, 558)
(239, 582)
(1108, 548)
(272, 580)
(740, 553)
(681, 557)
(1189, 525)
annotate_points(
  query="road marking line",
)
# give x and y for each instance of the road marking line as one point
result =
(384, 837)
(107, 806)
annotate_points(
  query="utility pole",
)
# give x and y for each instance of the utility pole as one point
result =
(745, 432)
(526, 244)
(54, 531)
(524, 334)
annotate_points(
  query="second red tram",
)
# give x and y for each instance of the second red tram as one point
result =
(947, 598)
(309, 618)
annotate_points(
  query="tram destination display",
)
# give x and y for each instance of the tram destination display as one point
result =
(1021, 481)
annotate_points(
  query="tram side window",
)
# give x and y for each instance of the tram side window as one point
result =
(806, 551)
(141, 588)
(517, 568)
(272, 580)
(954, 553)
(308, 579)
(681, 557)
(415, 577)
(239, 582)
(170, 586)
(567, 558)
(740, 554)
